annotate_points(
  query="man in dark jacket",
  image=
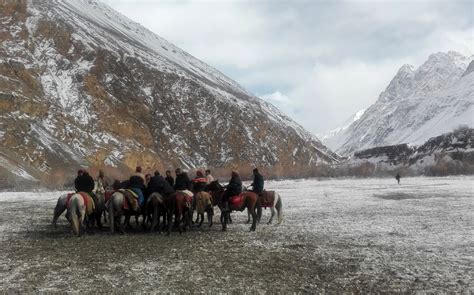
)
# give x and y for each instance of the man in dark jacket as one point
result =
(159, 185)
(84, 183)
(169, 178)
(182, 181)
(233, 188)
(258, 182)
(137, 185)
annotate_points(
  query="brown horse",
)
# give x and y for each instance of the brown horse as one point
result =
(204, 204)
(179, 205)
(249, 202)
(155, 208)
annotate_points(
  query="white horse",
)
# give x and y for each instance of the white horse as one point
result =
(77, 213)
(116, 211)
(275, 204)
(61, 206)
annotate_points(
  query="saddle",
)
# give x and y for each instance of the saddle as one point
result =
(267, 198)
(237, 201)
(88, 202)
(130, 201)
(187, 197)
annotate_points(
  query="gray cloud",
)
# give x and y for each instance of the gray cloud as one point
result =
(318, 61)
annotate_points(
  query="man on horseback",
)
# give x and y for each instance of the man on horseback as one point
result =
(169, 178)
(159, 185)
(258, 182)
(183, 183)
(232, 189)
(137, 185)
(209, 177)
(199, 182)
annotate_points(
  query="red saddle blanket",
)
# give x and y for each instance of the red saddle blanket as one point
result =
(267, 199)
(88, 202)
(237, 201)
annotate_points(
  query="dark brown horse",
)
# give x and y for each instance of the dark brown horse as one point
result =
(179, 205)
(155, 209)
(249, 202)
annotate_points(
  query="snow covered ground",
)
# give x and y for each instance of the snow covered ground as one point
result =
(351, 235)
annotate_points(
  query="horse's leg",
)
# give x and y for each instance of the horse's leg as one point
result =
(251, 208)
(111, 215)
(248, 214)
(120, 226)
(272, 210)
(170, 220)
(155, 217)
(210, 214)
(259, 210)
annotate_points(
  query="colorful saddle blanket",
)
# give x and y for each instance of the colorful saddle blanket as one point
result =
(130, 201)
(237, 201)
(88, 201)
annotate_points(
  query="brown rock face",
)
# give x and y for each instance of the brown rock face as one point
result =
(81, 85)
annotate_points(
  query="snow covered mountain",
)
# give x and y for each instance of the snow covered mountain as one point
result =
(80, 84)
(417, 104)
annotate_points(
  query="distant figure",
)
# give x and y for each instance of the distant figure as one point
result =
(138, 172)
(397, 177)
(169, 178)
(209, 177)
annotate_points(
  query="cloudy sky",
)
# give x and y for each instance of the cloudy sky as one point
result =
(318, 61)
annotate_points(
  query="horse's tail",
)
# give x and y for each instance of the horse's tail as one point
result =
(111, 205)
(279, 208)
(74, 212)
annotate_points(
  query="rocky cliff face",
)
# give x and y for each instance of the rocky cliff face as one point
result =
(417, 104)
(82, 85)
(449, 153)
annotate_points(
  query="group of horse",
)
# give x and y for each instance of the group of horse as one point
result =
(158, 211)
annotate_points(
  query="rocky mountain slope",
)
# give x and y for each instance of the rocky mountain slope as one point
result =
(418, 104)
(449, 153)
(82, 85)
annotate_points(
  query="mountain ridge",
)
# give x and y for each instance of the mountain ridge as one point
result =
(420, 103)
(80, 90)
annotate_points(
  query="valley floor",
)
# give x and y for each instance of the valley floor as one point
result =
(348, 235)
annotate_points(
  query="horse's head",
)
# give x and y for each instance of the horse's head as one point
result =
(214, 186)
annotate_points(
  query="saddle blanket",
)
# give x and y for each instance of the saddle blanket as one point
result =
(130, 202)
(88, 201)
(267, 199)
(237, 201)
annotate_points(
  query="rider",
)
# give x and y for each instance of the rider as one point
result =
(232, 189)
(137, 185)
(159, 185)
(169, 178)
(209, 177)
(182, 181)
(85, 183)
(258, 182)
(199, 182)
(101, 183)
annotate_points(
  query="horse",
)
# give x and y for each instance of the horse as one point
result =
(155, 208)
(204, 204)
(116, 210)
(272, 200)
(77, 213)
(249, 202)
(61, 206)
(178, 205)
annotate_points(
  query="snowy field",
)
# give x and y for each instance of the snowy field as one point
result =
(367, 235)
